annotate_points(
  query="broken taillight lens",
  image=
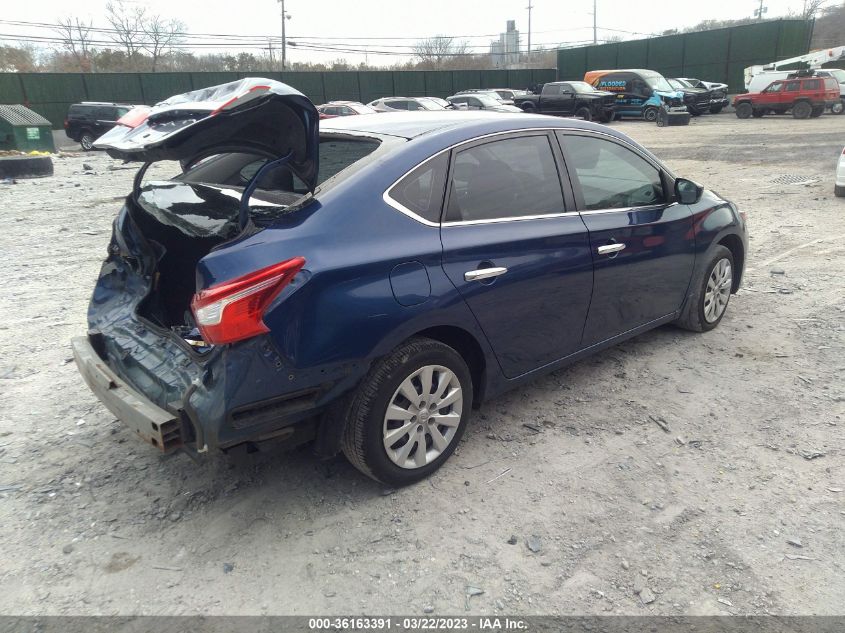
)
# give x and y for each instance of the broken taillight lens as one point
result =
(234, 310)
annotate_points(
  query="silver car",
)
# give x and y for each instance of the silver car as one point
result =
(403, 104)
(480, 101)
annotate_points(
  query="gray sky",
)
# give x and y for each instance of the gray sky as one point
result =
(381, 25)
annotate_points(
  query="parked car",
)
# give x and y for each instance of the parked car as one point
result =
(89, 120)
(697, 100)
(343, 108)
(495, 94)
(718, 92)
(509, 94)
(803, 96)
(431, 262)
(639, 93)
(839, 187)
(764, 78)
(441, 102)
(570, 98)
(480, 101)
(403, 104)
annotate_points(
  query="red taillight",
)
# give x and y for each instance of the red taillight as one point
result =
(233, 311)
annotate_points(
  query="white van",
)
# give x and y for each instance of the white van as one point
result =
(764, 78)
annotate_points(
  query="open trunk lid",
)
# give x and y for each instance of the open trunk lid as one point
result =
(256, 115)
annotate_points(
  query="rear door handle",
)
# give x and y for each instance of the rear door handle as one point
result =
(608, 249)
(484, 273)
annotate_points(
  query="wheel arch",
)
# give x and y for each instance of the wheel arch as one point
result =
(734, 244)
(470, 350)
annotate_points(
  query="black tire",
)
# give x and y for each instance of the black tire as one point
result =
(802, 110)
(693, 111)
(693, 317)
(744, 110)
(758, 113)
(363, 438)
(529, 107)
(650, 114)
(838, 107)
(817, 112)
(25, 166)
(607, 117)
(86, 140)
(839, 191)
(715, 109)
(584, 113)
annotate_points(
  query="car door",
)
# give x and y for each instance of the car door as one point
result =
(789, 94)
(552, 99)
(642, 243)
(516, 249)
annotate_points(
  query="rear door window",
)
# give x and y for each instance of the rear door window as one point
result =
(611, 176)
(812, 84)
(792, 86)
(509, 178)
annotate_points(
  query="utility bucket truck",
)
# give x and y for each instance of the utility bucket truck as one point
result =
(758, 77)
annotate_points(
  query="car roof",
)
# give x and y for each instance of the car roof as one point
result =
(477, 123)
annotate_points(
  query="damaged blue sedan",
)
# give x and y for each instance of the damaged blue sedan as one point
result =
(363, 283)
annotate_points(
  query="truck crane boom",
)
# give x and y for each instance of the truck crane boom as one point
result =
(813, 59)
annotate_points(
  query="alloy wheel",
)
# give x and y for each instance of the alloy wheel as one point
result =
(423, 416)
(718, 291)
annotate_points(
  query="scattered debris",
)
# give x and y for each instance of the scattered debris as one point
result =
(228, 568)
(795, 542)
(725, 601)
(531, 427)
(625, 565)
(647, 596)
(512, 540)
(167, 568)
(659, 421)
(428, 609)
(808, 455)
(67, 549)
(534, 544)
(470, 592)
(502, 474)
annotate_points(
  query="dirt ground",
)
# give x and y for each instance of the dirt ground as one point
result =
(739, 508)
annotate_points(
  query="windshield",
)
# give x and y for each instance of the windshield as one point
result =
(680, 83)
(429, 104)
(657, 81)
(340, 156)
(837, 74)
(581, 86)
(487, 101)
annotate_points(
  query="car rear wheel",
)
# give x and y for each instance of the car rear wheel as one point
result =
(802, 110)
(706, 305)
(87, 141)
(583, 113)
(744, 110)
(409, 413)
(838, 107)
(817, 112)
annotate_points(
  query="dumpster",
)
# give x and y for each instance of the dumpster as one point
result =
(23, 130)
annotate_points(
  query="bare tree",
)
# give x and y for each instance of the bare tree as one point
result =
(127, 27)
(434, 51)
(76, 39)
(160, 36)
(811, 7)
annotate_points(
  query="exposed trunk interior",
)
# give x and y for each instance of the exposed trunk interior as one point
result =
(184, 222)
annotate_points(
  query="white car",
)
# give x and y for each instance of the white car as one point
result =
(839, 187)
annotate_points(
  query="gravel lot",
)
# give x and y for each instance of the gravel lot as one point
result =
(738, 509)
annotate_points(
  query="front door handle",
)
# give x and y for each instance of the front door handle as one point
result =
(484, 273)
(609, 249)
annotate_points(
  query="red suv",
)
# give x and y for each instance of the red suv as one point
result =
(805, 96)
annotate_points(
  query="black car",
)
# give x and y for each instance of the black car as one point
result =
(89, 120)
(697, 100)
(570, 98)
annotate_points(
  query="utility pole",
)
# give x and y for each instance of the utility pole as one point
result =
(284, 40)
(270, 48)
(595, 34)
(758, 13)
(529, 7)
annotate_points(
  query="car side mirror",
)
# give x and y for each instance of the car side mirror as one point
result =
(687, 191)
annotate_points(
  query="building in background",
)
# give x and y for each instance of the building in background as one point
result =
(505, 50)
